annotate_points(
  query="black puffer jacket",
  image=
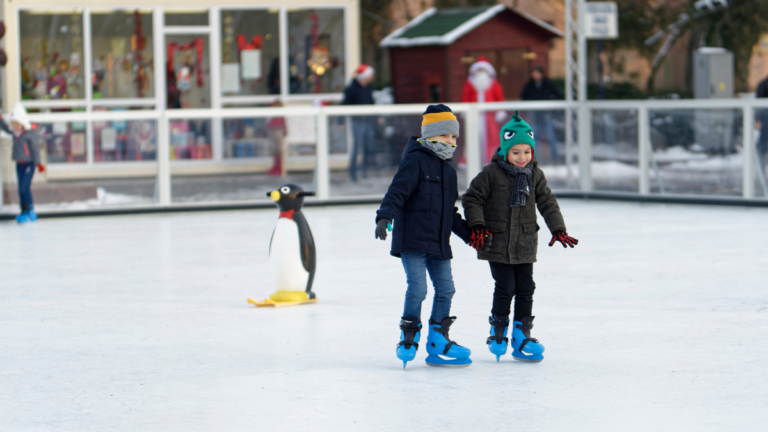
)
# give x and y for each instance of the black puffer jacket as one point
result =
(546, 91)
(421, 202)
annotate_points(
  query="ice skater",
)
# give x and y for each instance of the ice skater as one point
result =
(421, 202)
(500, 207)
(26, 153)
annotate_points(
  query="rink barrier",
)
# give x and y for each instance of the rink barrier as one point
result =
(471, 116)
(352, 201)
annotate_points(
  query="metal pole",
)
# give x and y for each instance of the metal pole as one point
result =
(569, 89)
(321, 152)
(748, 151)
(585, 130)
(163, 161)
(643, 146)
(472, 142)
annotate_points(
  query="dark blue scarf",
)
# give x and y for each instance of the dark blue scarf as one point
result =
(522, 188)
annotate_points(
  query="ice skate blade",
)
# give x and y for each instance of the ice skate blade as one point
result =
(271, 303)
(436, 361)
(528, 360)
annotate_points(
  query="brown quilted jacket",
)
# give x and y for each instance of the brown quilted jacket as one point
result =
(515, 231)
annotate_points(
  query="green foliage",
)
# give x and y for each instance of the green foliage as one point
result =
(738, 28)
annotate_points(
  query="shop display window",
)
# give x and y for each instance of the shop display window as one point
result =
(51, 45)
(122, 54)
(188, 78)
(119, 140)
(186, 17)
(64, 142)
(250, 52)
(190, 139)
(316, 59)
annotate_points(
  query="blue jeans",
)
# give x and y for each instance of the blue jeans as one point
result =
(416, 266)
(363, 141)
(542, 120)
(24, 173)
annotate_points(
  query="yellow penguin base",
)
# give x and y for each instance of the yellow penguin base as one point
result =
(284, 298)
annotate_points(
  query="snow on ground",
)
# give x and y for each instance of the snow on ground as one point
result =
(657, 321)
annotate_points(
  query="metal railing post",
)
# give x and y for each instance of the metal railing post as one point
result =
(322, 168)
(643, 150)
(748, 151)
(163, 161)
(585, 147)
(472, 142)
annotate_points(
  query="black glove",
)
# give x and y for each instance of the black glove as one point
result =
(382, 226)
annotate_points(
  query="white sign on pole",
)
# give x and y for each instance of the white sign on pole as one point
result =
(601, 20)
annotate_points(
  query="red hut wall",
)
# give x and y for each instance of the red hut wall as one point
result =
(503, 40)
(417, 72)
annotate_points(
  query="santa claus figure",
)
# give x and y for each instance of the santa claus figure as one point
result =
(482, 86)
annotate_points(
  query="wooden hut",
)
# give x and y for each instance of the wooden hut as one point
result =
(430, 56)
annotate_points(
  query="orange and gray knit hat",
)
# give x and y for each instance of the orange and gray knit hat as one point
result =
(439, 120)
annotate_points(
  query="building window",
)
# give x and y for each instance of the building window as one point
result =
(316, 59)
(188, 78)
(51, 55)
(250, 52)
(122, 53)
(198, 17)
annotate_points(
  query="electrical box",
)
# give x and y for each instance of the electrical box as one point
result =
(713, 79)
(712, 73)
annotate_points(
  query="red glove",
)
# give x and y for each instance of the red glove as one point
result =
(481, 238)
(563, 238)
(41, 168)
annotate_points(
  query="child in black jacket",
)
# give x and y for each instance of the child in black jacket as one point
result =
(422, 203)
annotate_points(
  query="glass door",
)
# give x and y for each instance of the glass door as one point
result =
(188, 72)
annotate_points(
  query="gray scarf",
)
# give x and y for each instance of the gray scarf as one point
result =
(522, 188)
(443, 150)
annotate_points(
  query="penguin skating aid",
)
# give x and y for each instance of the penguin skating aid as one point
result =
(291, 251)
(439, 345)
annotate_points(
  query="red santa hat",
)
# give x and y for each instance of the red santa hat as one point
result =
(482, 63)
(364, 71)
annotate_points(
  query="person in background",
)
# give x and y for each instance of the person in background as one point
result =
(360, 92)
(276, 131)
(762, 123)
(539, 87)
(26, 153)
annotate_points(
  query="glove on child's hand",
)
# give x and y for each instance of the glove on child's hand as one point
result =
(481, 238)
(563, 238)
(41, 168)
(382, 226)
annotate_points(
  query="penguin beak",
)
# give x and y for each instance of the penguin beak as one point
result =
(275, 195)
(303, 194)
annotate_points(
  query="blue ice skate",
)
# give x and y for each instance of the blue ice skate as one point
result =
(440, 345)
(32, 214)
(23, 218)
(524, 347)
(410, 332)
(497, 342)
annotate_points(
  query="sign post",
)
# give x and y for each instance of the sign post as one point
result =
(601, 20)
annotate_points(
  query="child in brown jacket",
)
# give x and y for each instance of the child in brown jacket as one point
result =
(500, 208)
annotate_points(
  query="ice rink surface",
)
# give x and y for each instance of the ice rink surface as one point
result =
(657, 321)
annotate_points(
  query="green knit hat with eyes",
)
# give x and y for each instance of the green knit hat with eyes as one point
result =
(516, 131)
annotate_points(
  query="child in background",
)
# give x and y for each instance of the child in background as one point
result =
(500, 206)
(421, 201)
(26, 153)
